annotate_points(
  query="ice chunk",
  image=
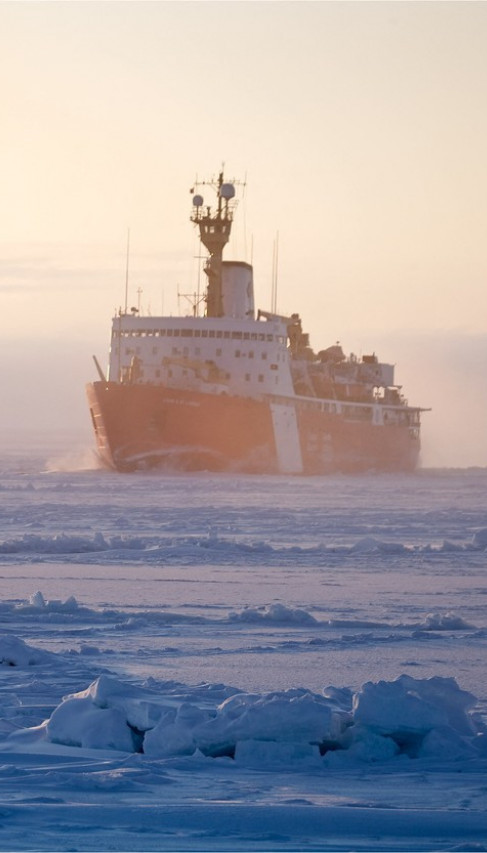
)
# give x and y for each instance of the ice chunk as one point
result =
(445, 743)
(37, 599)
(174, 734)
(445, 622)
(134, 703)
(480, 538)
(289, 716)
(14, 652)
(363, 745)
(274, 613)
(78, 722)
(266, 754)
(407, 708)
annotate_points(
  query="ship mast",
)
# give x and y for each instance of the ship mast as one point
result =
(214, 227)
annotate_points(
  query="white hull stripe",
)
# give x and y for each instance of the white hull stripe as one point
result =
(286, 437)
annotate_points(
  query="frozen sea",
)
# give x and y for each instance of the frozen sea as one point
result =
(218, 662)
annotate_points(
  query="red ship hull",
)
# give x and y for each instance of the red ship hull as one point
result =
(144, 426)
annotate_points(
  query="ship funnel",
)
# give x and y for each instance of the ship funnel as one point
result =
(238, 290)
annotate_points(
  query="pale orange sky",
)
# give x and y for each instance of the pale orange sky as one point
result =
(361, 129)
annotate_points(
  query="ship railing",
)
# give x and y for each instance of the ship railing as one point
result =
(349, 409)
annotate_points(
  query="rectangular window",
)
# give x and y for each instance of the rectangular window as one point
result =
(237, 353)
(204, 333)
(197, 333)
(264, 355)
(176, 333)
(186, 333)
(219, 334)
(251, 353)
(246, 336)
(211, 333)
(226, 334)
(270, 337)
(237, 336)
(253, 336)
(219, 352)
(273, 366)
(261, 377)
(169, 333)
(247, 377)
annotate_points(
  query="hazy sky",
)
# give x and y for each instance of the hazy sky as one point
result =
(360, 128)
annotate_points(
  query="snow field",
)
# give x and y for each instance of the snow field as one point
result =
(216, 663)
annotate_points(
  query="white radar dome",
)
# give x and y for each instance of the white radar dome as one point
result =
(227, 191)
(197, 200)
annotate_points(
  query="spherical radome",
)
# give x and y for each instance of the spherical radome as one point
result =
(227, 191)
